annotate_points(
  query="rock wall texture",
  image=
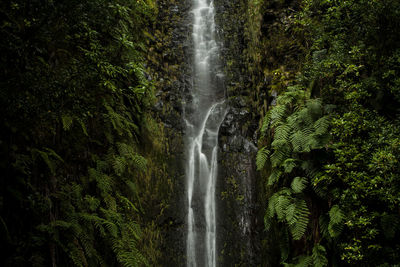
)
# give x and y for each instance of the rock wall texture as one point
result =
(238, 239)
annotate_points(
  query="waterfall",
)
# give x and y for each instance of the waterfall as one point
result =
(203, 117)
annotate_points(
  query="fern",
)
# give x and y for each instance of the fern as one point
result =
(319, 256)
(266, 122)
(274, 177)
(66, 122)
(299, 226)
(277, 115)
(337, 217)
(278, 157)
(299, 184)
(321, 125)
(282, 132)
(304, 261)
(128, 204)
(139, 162)
(262, 157)
(289, 164)
(119, 165)
(47, 156)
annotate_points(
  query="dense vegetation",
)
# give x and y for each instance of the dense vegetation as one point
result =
(85, 161)
(75, 118)
(331, 140)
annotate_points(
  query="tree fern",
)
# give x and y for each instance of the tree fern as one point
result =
(298, 125)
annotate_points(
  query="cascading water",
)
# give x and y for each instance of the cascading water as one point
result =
(204, 116)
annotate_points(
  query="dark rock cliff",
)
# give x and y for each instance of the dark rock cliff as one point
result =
(238, 240)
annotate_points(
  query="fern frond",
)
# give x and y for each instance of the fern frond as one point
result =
(304, 261)
(139, 162)
(299, 184)
(66, 122)
(336, 215)
(111, 227)
(278, 114)
(278, 157)
(324, 224)
(321, 125)
(299, 141)
(266, 123)
(284, 244)
(274, 177)
(268, 219)
(281, 206)
(119, 165)
(262, 157)
(336, 225)
(319, 256)
(289, 164)
(299, 227)
(128, 204)
(282, 132)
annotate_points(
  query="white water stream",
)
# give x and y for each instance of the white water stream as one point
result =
(203, 121)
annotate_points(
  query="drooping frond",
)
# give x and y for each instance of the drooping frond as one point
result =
(278, 114)
(336, 225)
(262, 157)
(289, 164)
(299, 227)
(299, 184)
(304, 261)
(321, 125)
(282, 132)
(266, 122)
(319, 256)
(274, 177)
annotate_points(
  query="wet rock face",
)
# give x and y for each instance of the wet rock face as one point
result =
(169, 60)
(238, 213)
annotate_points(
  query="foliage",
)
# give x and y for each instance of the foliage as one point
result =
(333, 137)
(74, 98)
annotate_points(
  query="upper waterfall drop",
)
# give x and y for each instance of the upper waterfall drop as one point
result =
(204, 117)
